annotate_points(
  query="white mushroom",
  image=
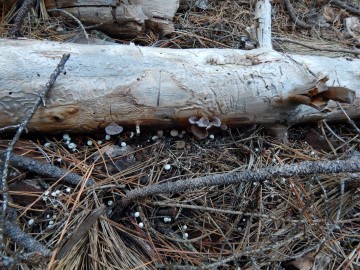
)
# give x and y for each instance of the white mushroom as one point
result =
(174, 133)
(137, 129)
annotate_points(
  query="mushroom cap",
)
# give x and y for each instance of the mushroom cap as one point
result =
(114, 129)
(223, 127)
(192, 120)
(215, 121)
(203, 122)
(174, 133)
(199, 133)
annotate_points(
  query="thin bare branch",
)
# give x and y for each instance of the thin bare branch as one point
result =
(267, 173)
(294, 17)
(15, 233)
(47, 170)
(346, 6)
(350, 121)
(19, 20)
(73, 17)
(355, 52)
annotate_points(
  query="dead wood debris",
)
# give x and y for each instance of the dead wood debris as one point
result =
(294, 16)
(219, 24)
(5, 226)
(318, 48)
(261, 225)
(299, 169)
(20, 17)
(347, 6)
(47, 170)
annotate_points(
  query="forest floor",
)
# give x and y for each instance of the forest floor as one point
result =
(298, 222)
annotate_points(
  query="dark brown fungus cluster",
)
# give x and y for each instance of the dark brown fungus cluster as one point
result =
(199, 127)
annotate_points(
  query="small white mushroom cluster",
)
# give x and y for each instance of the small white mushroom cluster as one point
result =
(48, 194)
(47, 144)
(185, 234)
(67, 139)
(167, 219)
(31, 222)
(200, 127)
(53, 199)
(137, 215)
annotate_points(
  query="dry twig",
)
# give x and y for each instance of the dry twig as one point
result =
(350, 121)
(346, 6)
(76, 19)
(47, 170)
(19, 20)
(271, 172)
(355, 52)
(294, 17)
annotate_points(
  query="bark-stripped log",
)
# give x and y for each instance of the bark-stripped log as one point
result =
(119, 18)
(152, 86)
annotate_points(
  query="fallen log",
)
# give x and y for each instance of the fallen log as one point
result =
(165, 87)
(117, 18)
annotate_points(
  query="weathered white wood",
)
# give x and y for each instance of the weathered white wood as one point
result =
(263, 20)
(119, 18)
(152, 86)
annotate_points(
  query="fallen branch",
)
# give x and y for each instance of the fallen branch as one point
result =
(292, 12)
(46, 169)
(19, 20)
(355, 52)
(271, 172)
(346, 6)
(16, 234)
(37, 251)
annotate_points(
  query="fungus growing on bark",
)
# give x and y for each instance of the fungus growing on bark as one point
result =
(199, 127)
